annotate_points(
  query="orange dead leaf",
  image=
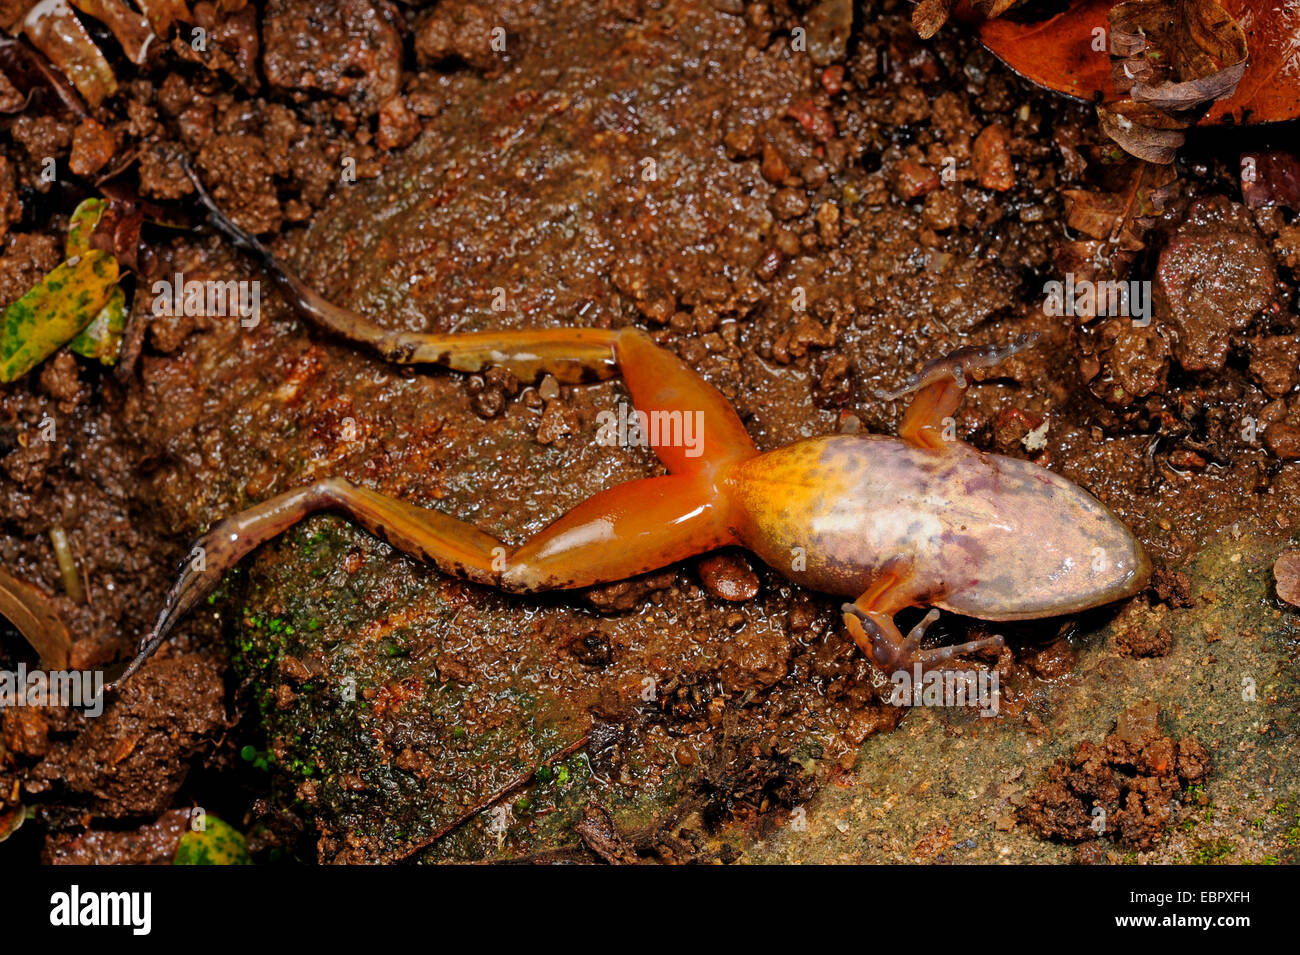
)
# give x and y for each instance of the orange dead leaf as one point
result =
(1068, 53)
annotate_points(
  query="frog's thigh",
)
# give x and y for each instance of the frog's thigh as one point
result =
(693, 428)
(629, 529)
(626, 530)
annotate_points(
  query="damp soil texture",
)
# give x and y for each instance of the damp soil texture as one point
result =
(805, 223)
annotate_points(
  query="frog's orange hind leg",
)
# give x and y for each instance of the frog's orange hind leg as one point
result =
(629, 529)
(870, 621)
(679, 402)
(939, 388)
(626, 530)
(696, 428)
(690, 425)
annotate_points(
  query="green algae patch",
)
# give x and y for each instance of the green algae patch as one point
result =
(396, 739)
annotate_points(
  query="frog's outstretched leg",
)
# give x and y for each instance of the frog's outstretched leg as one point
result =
(571, 355)
(701, 428)
(630, 529)
(939, 387)
(870, 621)
(627, 530)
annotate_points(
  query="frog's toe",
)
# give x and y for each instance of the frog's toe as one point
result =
(912, 643)
(928, 658)
(954, 366)
(891, 651)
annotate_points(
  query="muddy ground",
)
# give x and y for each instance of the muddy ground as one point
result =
(780, 220)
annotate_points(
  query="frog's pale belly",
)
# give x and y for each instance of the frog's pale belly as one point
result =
(989, 536)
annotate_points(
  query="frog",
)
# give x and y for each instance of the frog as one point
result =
(920, 519)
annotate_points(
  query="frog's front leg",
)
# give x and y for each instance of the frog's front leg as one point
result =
(939, 387)
(870, 621)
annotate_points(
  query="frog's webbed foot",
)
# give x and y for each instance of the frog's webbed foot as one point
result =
(939, 387)
(215, 553)
(880, 639)
(190, 587)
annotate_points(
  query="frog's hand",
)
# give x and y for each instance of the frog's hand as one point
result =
(627, 530)
(939, 387)
(870, 621)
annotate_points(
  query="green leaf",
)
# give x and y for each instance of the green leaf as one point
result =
(84, 219)
(102, 338)
(217, 844)
(54, 311)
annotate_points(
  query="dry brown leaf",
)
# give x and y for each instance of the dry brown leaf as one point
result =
(1173, 58)
(1115, 223)
(36, 618)
(55, 30)
(130, 28)
(1286, 574)
(1270, 177)
(1142, 130)
(930, 15)
(1061, 53)
(32, 76)
(935, 14)
(163, 13)
(994, 8)
(1098, 215)
(1176, 54)
(11, 819)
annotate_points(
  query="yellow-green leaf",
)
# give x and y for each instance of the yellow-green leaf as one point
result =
(102, 338)
(217, 844)
(84, 219)
(53, 312)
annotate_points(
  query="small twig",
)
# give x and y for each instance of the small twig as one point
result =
(1129, 201)
(515, 784)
